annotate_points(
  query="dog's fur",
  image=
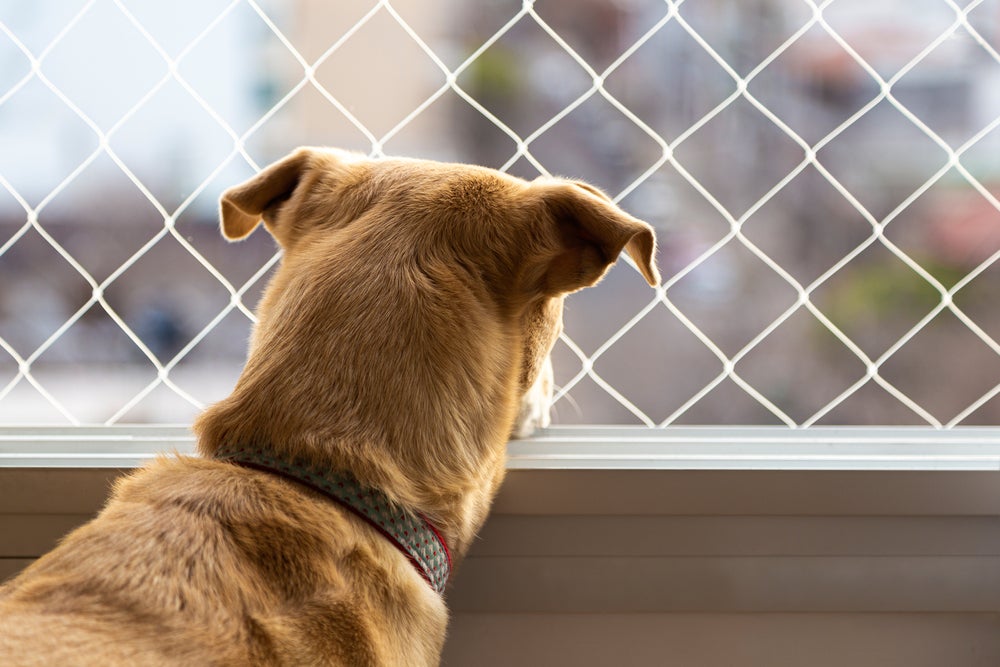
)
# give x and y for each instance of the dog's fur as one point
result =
(404, 337)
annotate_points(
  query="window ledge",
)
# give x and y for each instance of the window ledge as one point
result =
(591, 448)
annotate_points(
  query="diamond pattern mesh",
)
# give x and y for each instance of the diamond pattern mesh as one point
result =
(824, 178)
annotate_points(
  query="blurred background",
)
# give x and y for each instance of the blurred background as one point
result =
(824, 182)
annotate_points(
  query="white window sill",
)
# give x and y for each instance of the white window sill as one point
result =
(592, 448)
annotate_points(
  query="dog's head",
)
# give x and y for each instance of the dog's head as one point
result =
(441, 277)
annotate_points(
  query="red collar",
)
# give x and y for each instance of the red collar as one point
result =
(412, 534)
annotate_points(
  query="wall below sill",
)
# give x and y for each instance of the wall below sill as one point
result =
(668, 541)
(858, 565)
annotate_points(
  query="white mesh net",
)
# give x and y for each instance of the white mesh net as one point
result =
(824, 178)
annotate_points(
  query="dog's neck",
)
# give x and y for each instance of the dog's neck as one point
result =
(457, 507)
(410, 532)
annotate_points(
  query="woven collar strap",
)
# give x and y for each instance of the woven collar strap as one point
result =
(411, 533)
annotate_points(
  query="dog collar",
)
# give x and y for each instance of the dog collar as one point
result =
(410, 532)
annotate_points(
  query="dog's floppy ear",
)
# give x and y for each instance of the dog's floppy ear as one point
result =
(592, 232)
(244, 206)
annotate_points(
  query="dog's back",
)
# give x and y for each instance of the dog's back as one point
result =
(195, 563)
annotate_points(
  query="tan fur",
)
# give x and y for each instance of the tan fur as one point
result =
(415, 307)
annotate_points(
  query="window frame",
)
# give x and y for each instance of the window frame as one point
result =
(887, 448)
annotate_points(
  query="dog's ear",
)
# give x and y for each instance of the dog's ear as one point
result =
(592, 231)
(244, 206)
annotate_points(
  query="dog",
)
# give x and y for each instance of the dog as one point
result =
(404, 337)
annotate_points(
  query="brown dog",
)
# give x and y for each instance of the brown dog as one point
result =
(406, 332)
